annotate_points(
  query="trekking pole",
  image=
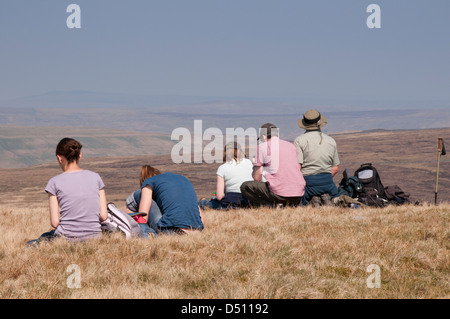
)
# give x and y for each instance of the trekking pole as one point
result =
(440, 143)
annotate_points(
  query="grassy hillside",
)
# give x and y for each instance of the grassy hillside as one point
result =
(266, 253)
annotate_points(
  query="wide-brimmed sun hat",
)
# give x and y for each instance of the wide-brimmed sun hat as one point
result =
(312, 120)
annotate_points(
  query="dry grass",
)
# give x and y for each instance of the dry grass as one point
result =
(282, 253)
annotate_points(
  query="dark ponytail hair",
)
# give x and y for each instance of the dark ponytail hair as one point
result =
(70, 149)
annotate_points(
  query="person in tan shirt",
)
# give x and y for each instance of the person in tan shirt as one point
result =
(318, 159)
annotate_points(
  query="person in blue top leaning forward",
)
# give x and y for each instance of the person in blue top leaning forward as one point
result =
(318, 159)
(177, 202)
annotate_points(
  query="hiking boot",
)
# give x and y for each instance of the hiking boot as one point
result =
(326, 200)
(315, 201)
(337, 201)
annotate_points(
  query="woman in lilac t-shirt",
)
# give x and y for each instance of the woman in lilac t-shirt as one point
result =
(77, 200)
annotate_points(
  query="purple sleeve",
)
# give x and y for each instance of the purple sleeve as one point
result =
(51, 187)
(100, 183)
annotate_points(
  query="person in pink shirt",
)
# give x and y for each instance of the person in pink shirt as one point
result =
(284, 184)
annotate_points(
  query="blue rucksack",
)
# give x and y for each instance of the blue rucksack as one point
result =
(350, 186)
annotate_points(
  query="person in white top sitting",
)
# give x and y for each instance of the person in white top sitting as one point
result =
(235, 170)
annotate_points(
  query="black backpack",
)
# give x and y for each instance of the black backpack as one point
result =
(373, 193)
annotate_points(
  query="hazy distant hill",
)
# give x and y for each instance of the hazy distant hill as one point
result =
(166, 112)
(27, 146)
(114, 124)
(149, 120)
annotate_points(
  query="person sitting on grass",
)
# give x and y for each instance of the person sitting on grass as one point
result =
(318, 159)
(284, 184)
(235, 170)
(77, 199)
(133, 201)
(169, 202)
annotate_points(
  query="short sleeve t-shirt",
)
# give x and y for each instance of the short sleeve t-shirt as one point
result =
(176, 199)
(235, 174)
(282, 172)
(317, 152)
(78, 199)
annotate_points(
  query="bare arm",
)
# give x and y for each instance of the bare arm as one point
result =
(146, 201)
(201, 215)
(257, 173)
(334, 170)
(127, 210)
(220, 187)
(103, 206)
(53, 206)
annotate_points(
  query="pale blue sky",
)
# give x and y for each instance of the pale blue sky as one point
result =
(316, 50)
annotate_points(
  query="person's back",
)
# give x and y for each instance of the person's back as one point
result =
(176, 199)
(317, 152)
(235, 170)
(234, 174)
(279, 159)
(78, 198)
